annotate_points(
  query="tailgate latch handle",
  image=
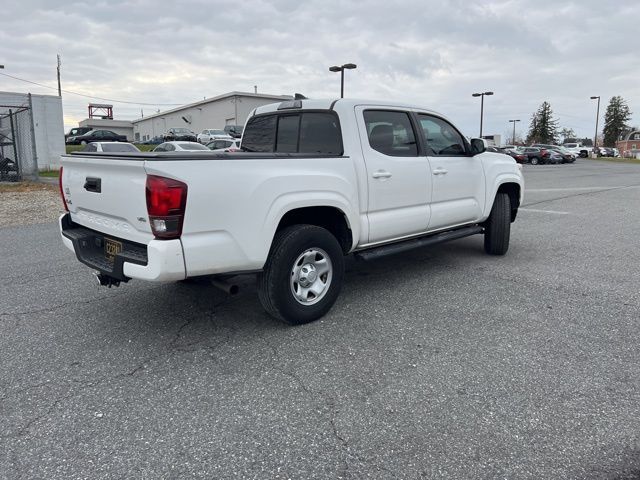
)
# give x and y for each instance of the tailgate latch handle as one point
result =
(93, 184)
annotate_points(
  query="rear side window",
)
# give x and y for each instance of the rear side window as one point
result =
(320, 133)
(118, 147)
(305, 132)
(288, 128)
(391, 133)
(260, 135)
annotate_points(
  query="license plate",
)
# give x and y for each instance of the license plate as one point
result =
(111, 249)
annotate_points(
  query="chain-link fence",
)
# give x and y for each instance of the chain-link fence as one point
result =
(17, 143)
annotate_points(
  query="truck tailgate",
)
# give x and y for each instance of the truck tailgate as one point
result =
(107, 194)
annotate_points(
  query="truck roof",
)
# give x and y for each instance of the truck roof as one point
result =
(326, 104)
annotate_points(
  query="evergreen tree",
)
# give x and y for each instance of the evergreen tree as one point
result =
(615, 120)
(543, 127)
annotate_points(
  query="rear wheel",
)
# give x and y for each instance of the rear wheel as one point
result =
(498, 226)
(303, 275)
(534, 160)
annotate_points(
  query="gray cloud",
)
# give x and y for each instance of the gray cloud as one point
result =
(430, 52)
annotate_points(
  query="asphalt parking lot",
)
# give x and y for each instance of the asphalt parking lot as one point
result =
(439, 363)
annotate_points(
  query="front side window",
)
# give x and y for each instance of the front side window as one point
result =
(442, 137)
(391, 133)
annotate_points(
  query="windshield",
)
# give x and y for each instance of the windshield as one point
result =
(192, 146)
(570, 145)
(181, 130)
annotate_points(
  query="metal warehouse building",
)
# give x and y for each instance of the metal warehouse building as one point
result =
(216, 112)
(31, 134)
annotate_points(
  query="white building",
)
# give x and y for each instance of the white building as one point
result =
(121, 127)
(229, 109)
(32, 131)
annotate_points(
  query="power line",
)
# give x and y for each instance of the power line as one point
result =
(91, 96)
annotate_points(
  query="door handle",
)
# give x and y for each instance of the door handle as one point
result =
(440, 171)
(381, 174)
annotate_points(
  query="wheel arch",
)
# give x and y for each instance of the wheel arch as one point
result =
(330, 218)
(513, 187)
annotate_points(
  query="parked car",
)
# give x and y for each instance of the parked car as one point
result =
(234, 130)
(291, 210)
(577, 149)
(76, 132)
(552, 156)
(567, 155)
(96, 136)
(152, 141)
(110, 147)
(605, 152)
(181, 147)
(616, 152)
(175, 134)
(534, 155)
(517, 156)
(232, 145)
(209, 135)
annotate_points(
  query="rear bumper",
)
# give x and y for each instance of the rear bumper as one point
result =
(160, 260)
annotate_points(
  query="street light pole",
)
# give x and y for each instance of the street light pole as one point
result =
(481, 95)
(341, 69)
(595, 138)
(513, 139)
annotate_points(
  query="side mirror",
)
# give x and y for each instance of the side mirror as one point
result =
(478, 145)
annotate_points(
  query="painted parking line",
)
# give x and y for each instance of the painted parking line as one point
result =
(572, 189)
(535, 210)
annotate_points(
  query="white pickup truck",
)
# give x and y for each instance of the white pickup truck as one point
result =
(316, 180)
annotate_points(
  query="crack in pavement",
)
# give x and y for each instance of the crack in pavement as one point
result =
(333, 409)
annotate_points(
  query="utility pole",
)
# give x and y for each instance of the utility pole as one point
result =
(59, 88)
(513, 139)
(595, 139)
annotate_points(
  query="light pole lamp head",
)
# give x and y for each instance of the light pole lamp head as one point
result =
(335, 69)
(349, 66)
(488, 93)
(594, 98)
(476, 94)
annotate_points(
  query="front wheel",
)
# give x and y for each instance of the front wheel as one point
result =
(303, 275)
(535, 161)
(498, 226)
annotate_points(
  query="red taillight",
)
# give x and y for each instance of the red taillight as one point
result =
(166, 203)
(64, 200)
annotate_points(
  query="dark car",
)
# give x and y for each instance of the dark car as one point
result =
(519, 157)
(234, 130)
(552, 156)
(534, 155)
(567, 156)
(179, 134)
(76, 132)
(152, 141)
(606, 152)
(96, 136)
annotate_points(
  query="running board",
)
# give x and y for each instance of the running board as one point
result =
(398, 247)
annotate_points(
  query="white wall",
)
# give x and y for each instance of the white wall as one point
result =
(48, 127)
(215, 114)
(49, 130)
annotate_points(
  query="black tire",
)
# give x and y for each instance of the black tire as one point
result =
(534, 160)
(498, 226)
(275, 282)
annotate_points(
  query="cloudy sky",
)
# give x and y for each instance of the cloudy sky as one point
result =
(434, 53)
